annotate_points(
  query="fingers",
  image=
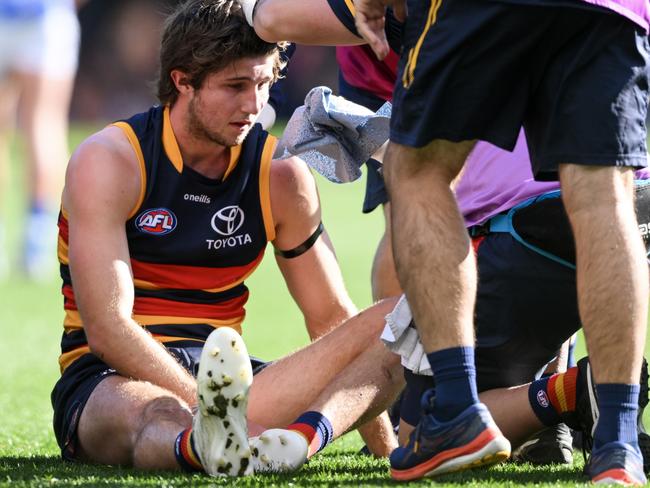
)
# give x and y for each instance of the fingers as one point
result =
(372, 30)
(370, 20)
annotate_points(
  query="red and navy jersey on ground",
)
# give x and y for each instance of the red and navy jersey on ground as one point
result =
(360, 68)
(192, 240)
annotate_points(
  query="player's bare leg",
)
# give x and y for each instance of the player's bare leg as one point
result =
(287, 387)
(612, 280)
(334, 384)
(383, 276)
(360, 391)
(138, 424)
(132, 423)
(379, 434)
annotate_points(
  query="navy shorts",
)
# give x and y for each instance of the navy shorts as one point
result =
(79, 380)
(526, 308)
(575, 77)
(376, 193)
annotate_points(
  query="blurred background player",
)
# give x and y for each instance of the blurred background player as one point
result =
(38, 60)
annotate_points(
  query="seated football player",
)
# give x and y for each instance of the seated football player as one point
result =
(163, 217)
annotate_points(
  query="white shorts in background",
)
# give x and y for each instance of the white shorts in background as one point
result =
(47, 44)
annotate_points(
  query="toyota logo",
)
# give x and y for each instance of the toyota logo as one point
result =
(228, 220)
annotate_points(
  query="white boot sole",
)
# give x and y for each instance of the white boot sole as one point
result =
(220, 430)
(278, 451)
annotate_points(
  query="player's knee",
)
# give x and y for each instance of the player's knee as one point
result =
(157, 415)
(391, 368)
(165, 409)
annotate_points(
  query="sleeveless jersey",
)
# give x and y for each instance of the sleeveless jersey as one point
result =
(192, 240)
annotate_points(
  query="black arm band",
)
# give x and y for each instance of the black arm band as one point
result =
(304, 247)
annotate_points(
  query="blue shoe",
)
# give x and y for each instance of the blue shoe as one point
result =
(616, 463)
(470, 440)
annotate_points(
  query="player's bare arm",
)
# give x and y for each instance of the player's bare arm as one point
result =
(300, 21)
(313, 277)
(102, 188)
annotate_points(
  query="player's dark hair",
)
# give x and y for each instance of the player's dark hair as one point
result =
(204, 36)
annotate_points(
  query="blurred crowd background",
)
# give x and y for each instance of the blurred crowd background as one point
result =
(119, 55)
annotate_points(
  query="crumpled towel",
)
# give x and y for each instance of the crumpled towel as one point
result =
(403, 339)
(333, 135)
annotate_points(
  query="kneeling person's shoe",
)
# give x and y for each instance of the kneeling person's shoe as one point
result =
(278, 451)
(616, 463)
(470, 440)
(220, 429)
(553, 445)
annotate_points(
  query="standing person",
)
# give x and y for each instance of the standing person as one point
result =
(38, 61)
(163, 217)
(482, 194)
(583, 103)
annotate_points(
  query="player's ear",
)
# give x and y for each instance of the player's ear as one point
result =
(181, 81)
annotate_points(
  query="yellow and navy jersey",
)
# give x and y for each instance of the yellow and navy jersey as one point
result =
(192, 240)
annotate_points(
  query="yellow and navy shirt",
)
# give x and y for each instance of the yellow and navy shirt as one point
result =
(192, 240)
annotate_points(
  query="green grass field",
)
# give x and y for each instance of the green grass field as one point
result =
(30, 321)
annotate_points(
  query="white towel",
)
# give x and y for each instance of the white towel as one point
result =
(403, 339)
(333, 135)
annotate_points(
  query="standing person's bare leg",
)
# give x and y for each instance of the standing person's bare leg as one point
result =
(612, 278)
(437, 270)
(430, 241)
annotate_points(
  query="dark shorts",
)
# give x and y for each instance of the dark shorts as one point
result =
(80, 379)
(376, 193)
(526, 307)
(575, 78)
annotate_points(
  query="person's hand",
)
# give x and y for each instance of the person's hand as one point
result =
(370, 19)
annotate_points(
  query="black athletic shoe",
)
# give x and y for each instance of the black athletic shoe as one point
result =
(587, 410)
(553, 445)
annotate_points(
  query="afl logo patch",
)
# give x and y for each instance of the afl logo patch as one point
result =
(157, 221)
(542, 399)
(228, 220)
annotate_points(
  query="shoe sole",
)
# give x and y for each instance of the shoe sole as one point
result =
(220, 429)
(278, 451)
(616, 477)
(489, 448)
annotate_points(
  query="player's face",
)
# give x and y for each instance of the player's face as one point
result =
(225, 107)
